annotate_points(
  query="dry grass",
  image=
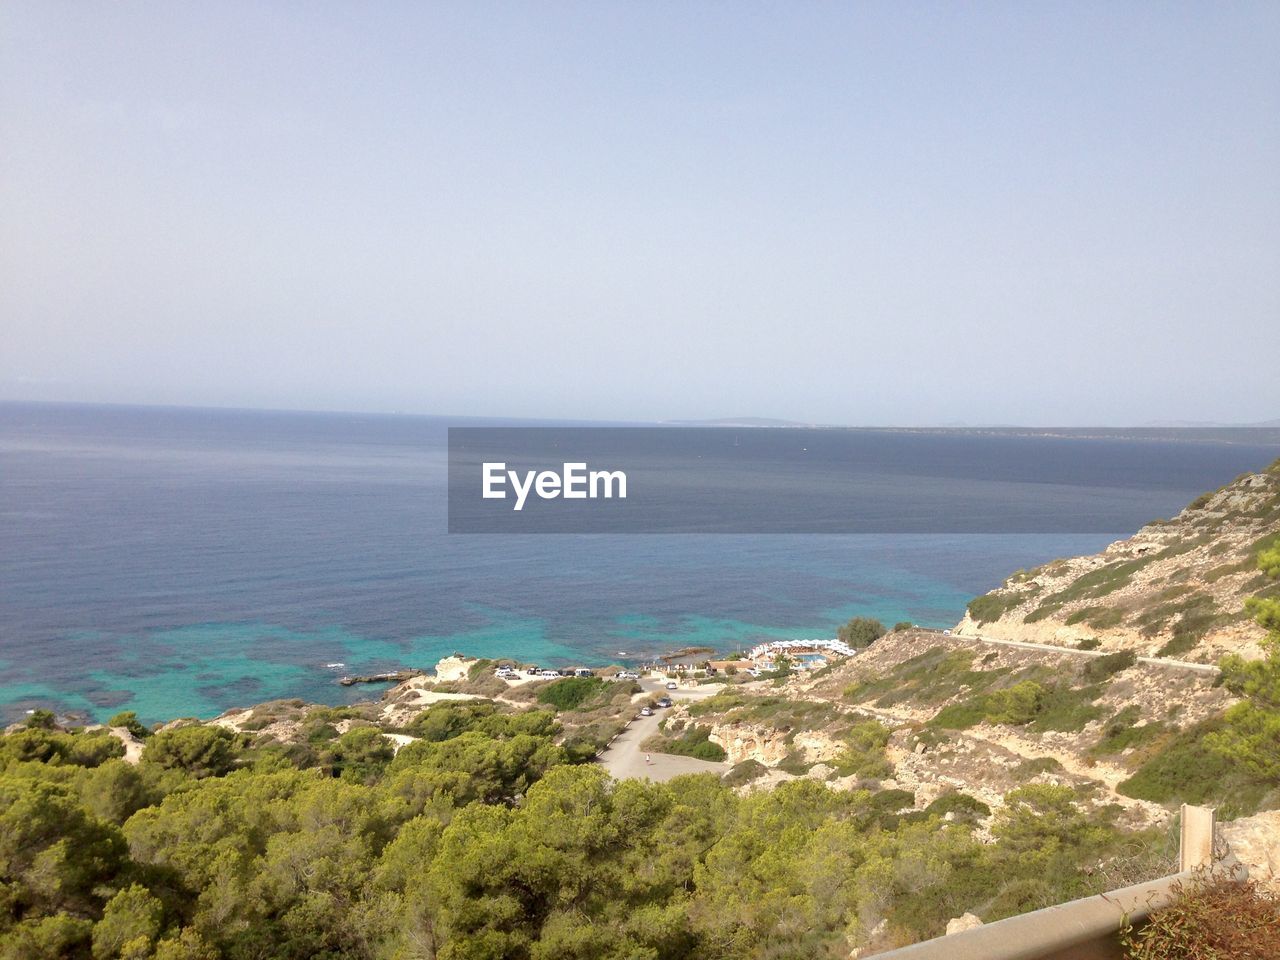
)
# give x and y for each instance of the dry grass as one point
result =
(1213, 919)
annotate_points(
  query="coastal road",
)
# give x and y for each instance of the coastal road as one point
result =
(624, 760)
(1206, 669)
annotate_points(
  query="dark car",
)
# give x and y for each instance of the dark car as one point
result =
(664, 702)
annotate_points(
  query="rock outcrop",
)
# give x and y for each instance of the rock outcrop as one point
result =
(1255, 841)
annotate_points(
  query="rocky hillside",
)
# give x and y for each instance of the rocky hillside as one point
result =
(933, 716)
(1175, 589)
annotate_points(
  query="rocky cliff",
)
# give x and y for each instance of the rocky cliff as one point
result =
(1175, 589)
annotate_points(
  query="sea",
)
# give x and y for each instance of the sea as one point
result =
(181, 562)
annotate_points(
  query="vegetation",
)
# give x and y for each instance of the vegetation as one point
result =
(861, 632)
(865, 753)
(1121, 733)
(571, 692)
(1188, 769)
(994, 605)
(1212, 917)
(1104, 667)
(744, 772)
(936, 675)
(692, 742)
(481, 839)
(1040, 706)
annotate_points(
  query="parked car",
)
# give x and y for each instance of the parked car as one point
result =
(664, 702)
(646, 711)
(672, 685)
(628, 675)
(584, 672)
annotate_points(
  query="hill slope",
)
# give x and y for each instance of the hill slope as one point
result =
(1174, 589)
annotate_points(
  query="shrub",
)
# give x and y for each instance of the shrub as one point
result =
(1188, 769)
(961, 806)
(1100, 618)
(865, 756)
(1211, 917)
(1089, 643)
(744, 772)
(1033, 767)
(693, 742)
(571, 692)
(861, 632)
(129, 720)
(1100, 668)
(1027, 703)
(199, 750)
(993, 606)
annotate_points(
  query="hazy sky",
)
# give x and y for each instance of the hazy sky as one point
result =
(892, 213)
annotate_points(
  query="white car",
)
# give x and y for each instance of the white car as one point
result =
(672, 685)
(628, 675)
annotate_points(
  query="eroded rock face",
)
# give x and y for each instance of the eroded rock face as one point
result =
(744, 741)
(1256, 843)
(453, 668)
(817, 746)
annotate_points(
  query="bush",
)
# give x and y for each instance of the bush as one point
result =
(1189, 770)
(1212, 917)
(861, 632)
(571, 692)
(1100, 668)
(865, 756)
(1089, 643)
(993, 606)
(961, 806)
(198, 750)
(129, 720)
(693, 742)
(744, 772)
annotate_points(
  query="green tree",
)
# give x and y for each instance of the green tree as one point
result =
(130, 924)
(201, 751)
(861, 632)
(47, 938)
(42, 720)
(129, 721)
(54, 852)
(361, 755)
(1251, 733)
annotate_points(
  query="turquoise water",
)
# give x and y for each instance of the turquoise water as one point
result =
(183, 562)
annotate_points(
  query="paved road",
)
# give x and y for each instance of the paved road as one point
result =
(1207, 669)
(625, 760)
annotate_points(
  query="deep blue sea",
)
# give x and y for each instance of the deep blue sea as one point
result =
(179, 562)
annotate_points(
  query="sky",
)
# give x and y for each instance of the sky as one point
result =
(862, 213)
